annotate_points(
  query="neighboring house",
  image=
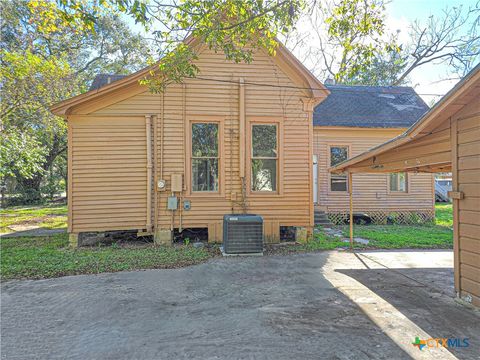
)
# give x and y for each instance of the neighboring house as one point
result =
(443, 184)
(446, 139)
(238, 138)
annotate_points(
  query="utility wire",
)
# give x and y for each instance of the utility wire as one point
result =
(301, 88)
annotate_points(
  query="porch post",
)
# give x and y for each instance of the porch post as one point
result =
(350, 192)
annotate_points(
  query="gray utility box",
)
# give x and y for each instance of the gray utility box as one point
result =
(242, 234)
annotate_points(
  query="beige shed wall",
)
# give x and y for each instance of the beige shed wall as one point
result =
(466, 177)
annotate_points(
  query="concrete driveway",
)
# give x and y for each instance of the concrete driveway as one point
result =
(329, 305)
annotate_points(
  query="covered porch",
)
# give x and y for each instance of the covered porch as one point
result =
(445, 139)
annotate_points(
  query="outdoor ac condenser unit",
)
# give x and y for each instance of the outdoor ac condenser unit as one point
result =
(242, 234)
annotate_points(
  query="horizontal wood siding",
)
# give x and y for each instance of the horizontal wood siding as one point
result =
(370, 191)
(108, 171)
(468, 170)
(215, 95)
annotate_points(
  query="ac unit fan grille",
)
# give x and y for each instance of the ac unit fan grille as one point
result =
(243, 237)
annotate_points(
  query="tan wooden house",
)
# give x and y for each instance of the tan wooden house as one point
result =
(238, 138)
(445, 139)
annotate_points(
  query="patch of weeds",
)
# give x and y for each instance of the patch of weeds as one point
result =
(322, 241)
(45, 257)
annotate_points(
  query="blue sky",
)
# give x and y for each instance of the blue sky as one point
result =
(402, 12)
(412, 9)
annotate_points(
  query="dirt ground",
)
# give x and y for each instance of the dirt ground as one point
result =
(327, 305)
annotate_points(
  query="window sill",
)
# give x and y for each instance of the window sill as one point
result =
(330, 192)
(263, 193)
(206, 194)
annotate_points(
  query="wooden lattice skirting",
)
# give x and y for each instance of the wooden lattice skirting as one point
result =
(387, 217)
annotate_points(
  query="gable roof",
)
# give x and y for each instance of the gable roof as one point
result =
(369, 106)
(101, 80)
(283, 56)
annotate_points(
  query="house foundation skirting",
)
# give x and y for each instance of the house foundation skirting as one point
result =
(382, 217)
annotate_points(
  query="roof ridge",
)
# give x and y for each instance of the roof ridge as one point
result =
(363, 87)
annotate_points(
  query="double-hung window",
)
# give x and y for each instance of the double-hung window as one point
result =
(398, 182)
(338, 182)
(204, 156)
(264, 158)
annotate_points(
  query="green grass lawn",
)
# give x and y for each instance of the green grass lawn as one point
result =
(404, 236)
(45, 257)
(444, 214)
(428, 236)
(46, 217)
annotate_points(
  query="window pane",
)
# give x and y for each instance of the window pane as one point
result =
(264, 141)
(264, 175)
(398, 182)
(394, 182)
(205, 174)
(338, 154)
(402, 182)
(204, 140)
(338, 182)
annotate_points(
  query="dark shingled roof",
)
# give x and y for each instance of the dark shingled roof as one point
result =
(104, 79)
(369, 106)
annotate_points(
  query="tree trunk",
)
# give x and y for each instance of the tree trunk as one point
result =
(30, 188)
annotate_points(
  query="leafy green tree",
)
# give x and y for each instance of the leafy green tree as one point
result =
(32, 137)
(383, 70)
(357, 26)
(351, 37)
(235, 27)
(28, 155)
(46, 59)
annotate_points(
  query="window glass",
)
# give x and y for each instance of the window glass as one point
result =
(264, 163)
(204, 157)
(398, 182)
(205, 174)
(264, 140)
(338, 154)
(264, 175)
(204, 140)
(338, 182)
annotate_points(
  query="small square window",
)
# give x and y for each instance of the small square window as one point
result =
(398, 182)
